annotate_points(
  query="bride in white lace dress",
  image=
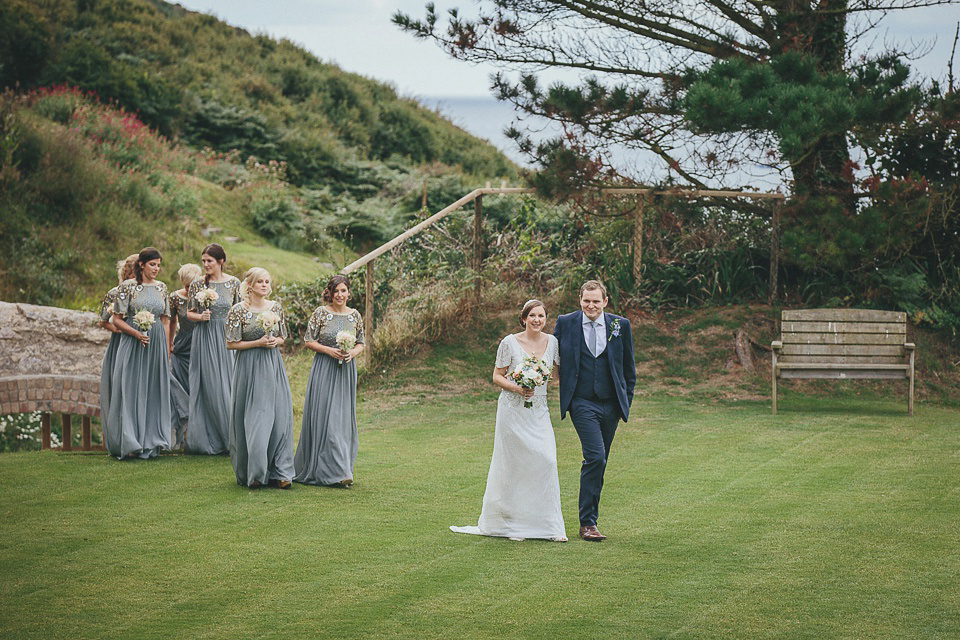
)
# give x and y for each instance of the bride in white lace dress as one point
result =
(522, 499)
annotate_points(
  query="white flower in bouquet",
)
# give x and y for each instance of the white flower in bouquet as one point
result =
(144, 319)
(531, 373)
(206, 297)
(268, 321)
(345, 341)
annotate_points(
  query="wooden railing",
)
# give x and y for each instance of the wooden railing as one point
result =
(476, 196)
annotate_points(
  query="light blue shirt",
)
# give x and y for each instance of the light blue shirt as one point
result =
(601, 343)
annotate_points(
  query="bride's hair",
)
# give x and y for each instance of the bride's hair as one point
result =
(529, 306)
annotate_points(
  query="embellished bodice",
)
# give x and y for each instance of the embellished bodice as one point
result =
(228, 294)
(244, 324)
(133, 297)
(324, 326)
(510, 355)
(106, 307)
(178, 308)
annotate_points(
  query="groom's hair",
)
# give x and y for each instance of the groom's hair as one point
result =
(593, 285)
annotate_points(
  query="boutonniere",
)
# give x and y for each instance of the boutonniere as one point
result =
(614, 329)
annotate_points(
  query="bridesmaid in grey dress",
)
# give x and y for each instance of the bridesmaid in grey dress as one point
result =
(181, 327)
(211, 367)
(140, 409)
(178, 343)
(261, 425)
(328, 436)
(124, 272)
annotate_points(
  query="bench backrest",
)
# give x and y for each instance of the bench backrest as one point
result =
(843, 336)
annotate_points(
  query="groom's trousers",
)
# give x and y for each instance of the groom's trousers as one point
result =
(596, 424)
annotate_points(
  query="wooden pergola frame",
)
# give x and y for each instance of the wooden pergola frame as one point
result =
(476, 196)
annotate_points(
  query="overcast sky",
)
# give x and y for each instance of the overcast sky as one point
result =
(358, 36)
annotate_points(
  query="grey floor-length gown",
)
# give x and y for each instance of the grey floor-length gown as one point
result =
(328, 435)
(180, 361)
(180, 366)
(211, 369)
(106, 367)
(261, 425)
(140, 408)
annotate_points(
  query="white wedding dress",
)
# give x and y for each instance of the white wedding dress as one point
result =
(522, 499)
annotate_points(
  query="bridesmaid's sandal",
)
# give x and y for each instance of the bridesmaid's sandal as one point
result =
(345, 483)
(281, 484)
(256, 484)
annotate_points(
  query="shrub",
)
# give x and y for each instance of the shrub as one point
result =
(278, 218)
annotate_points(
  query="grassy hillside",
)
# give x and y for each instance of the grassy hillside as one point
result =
(192, 76)
(140, 123)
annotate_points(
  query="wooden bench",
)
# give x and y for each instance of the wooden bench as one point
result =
(843, 344)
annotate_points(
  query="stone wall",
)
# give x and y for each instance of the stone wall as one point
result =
(50, 359)
(35, 340)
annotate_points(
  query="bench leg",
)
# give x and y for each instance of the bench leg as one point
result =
(66, 424)
(910, 400)
(45, 430)
(773, 377)
(86, 433)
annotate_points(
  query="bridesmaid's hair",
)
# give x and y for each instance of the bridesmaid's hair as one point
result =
(145, 256)
(593, 285)
(216, 252)
(249, 278)
(125, 266)
(529, 306)
(188, 273)
(332, 285)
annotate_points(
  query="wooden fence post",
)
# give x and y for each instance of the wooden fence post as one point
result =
(477, 246)
(638, 240)
(368, 306)
(45, 430)
(775, 252)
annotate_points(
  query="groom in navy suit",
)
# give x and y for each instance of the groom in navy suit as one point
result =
(597, 377)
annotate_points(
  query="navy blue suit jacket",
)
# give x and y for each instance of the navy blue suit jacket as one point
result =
(569, 333)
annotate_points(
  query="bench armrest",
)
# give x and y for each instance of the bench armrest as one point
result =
(776, 345)
(909, 346)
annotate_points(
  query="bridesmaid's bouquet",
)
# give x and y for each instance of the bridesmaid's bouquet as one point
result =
(268, 321)
(531, 373)
(144, 319)
(206, 297)
(345, 341)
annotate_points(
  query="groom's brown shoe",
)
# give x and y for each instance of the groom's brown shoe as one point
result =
(590, 534)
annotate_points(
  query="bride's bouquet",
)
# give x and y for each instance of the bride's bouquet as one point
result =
(206, 297)
(144, 319)
(531, 373)
(268, 321)
(345, 341)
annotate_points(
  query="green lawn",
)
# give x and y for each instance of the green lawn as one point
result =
(838, 518)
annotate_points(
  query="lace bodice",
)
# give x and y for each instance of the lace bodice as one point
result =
(228, 292)
(510, 355)
(133, 297)
(243, 324)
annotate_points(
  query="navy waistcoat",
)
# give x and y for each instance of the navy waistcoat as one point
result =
(594, 381)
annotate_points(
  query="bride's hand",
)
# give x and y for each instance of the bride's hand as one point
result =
(526, 393)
